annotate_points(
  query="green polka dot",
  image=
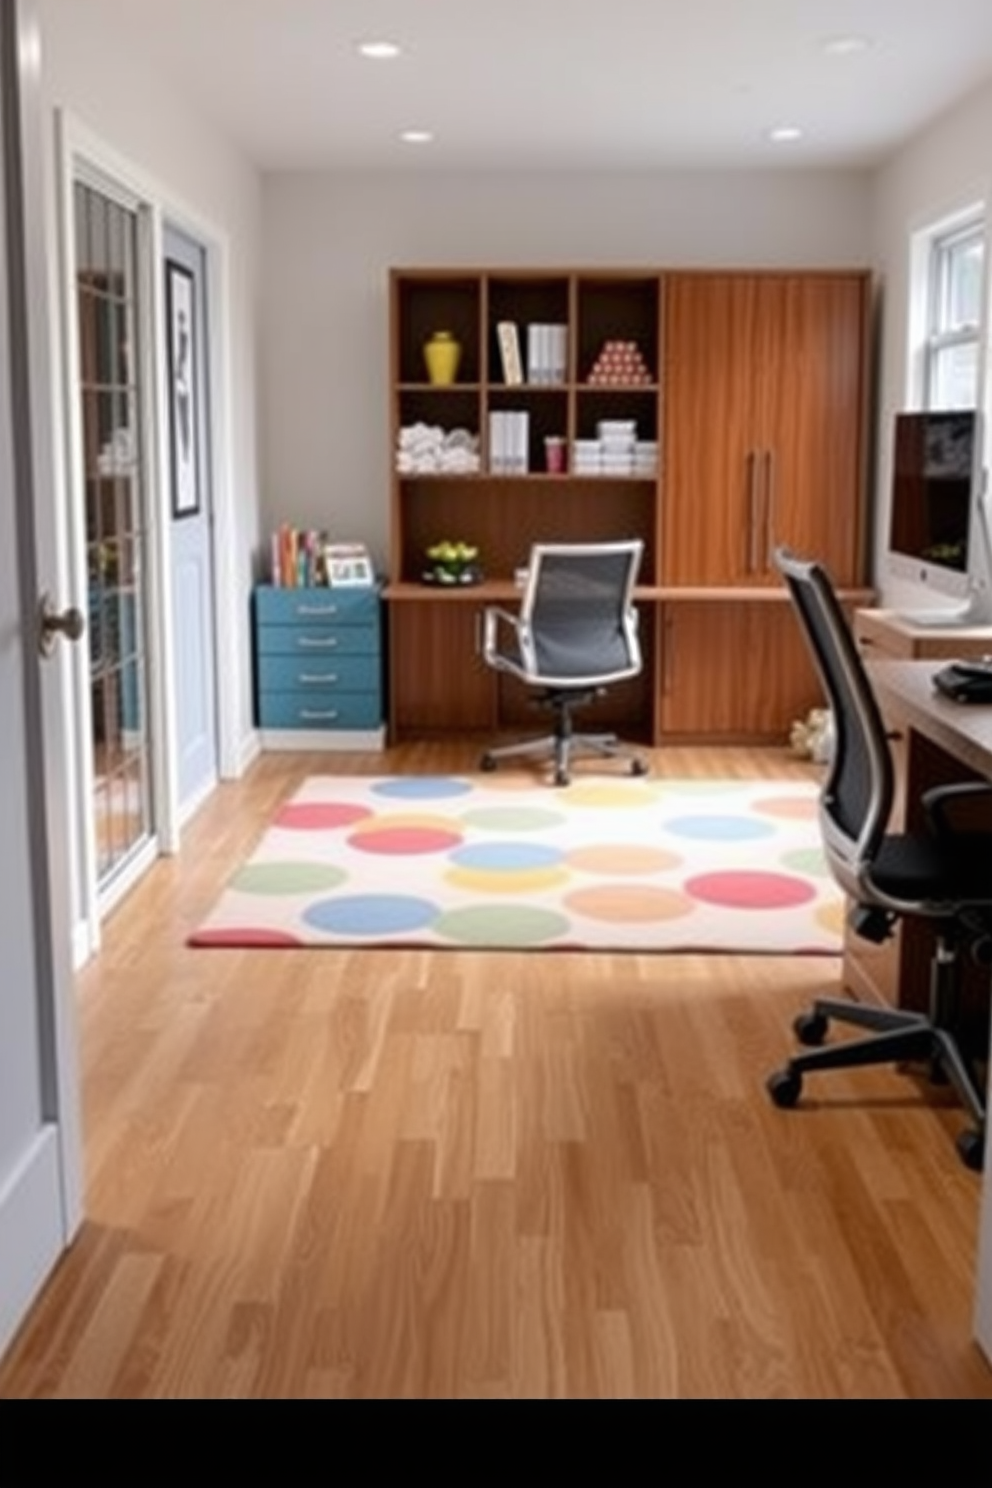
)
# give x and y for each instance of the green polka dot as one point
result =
(512, 925)
(808, 860)
(513, 819)
(287, 878)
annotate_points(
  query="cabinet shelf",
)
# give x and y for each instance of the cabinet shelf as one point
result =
(537, 389)
(531, 477)
(439, 391)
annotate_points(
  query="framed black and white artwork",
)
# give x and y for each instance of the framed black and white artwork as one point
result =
(180, 317)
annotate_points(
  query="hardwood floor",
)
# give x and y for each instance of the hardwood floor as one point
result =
(409, 1173)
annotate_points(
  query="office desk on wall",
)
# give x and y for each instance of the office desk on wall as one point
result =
(944, 741)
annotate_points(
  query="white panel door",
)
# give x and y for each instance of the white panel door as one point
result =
(40, 1166)
(191, 531)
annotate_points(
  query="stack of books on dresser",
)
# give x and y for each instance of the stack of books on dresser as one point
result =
(616, 450)
(509, 442)
(547, 354)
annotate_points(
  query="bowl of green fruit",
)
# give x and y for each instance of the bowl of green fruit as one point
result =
(452, 563)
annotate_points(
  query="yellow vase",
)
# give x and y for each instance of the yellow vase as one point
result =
(442, 353)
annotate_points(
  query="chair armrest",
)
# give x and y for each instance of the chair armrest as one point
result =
(492, 618)
(939, 798)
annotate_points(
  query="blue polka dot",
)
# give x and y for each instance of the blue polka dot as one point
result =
(505, 856)
(421, 788)
(719, 828)
(371, 914)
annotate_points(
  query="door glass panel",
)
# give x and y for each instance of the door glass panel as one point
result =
(116, 534)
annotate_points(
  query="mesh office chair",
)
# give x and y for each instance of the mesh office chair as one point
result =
(575, 633)
(940, 873)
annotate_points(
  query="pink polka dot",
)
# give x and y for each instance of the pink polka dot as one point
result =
(233, 935)
(745, 890)
(320, 816)
(405, 841)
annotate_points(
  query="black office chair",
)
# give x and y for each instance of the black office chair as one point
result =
(575, 634)
(942, 874)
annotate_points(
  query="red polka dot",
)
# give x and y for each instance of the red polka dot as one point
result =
(233, 936)
(319, 816)
(744, 890)
(405, 841)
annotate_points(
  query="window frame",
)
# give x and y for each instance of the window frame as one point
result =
(943, 333)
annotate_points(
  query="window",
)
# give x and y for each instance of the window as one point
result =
(955, 315)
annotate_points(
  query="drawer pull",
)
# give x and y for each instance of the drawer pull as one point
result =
(317, 643)
(311, 610)
(319, 715)
(316, 678)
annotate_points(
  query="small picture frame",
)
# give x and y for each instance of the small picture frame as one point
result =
(348, 570)
(184, 447)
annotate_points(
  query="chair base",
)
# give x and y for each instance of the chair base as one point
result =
(562, 748)
(897, 1037)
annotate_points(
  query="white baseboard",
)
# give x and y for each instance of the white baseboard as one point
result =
(31, 1230)
(248, 752)
(320, 739)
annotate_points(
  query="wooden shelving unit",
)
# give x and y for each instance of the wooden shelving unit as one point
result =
(756, 395)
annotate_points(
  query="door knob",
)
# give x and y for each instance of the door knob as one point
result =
(69, 623)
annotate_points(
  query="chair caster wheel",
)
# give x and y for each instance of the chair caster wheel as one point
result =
(487, 763)
(638, 767)
(971, 1149)
(810, 1029)
(562, 778)
(785, 1088)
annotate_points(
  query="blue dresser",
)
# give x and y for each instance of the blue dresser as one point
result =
(318, 668)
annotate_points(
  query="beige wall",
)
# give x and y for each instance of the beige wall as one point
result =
(192, 168)
(944, 170)
(329, 242)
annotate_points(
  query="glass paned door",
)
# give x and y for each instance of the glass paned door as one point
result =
(116, 533)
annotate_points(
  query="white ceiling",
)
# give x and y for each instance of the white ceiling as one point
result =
(563, 84)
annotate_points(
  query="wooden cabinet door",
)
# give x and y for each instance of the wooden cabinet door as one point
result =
(764, 397)
(710, 446)
(810, 363)
(734, 671)
(438, 681)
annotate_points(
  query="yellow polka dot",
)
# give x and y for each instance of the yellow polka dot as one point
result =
(629, 904)
(621, 858)
(608, 795)
(830, 917)
(523, 881)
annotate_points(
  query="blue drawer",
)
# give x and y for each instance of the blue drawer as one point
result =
(319, 607)
(318, 640)
(319, 673)
(302, 710)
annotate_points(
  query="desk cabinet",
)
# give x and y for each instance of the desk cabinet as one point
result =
(897, 971)
(318, 668)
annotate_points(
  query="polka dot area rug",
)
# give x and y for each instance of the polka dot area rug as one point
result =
(506, 862)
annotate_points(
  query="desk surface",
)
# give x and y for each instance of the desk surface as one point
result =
(963, 730)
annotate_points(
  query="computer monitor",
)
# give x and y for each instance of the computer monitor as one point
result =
(938, 534)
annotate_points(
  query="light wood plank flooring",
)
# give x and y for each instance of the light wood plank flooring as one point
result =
(408, 1173)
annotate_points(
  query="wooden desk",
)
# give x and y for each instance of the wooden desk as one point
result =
(937, 729)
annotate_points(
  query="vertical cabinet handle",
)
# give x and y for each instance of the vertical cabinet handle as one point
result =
(771, 497)
(751, 561)
(667, 656)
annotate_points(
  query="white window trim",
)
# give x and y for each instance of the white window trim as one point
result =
(923, 291)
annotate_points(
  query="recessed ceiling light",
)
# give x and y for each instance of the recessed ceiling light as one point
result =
(846, 46)
(785, 134)
(379, 51)
(416, 136)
